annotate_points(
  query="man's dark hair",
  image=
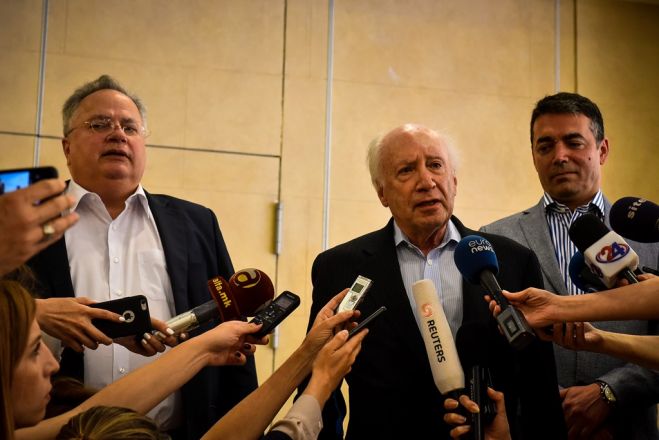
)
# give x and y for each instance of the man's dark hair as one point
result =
(573, 103)
(103, 82)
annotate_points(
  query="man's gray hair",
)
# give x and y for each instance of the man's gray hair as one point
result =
(374, 153)
(103, 82)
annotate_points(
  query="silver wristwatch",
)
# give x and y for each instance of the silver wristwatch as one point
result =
(606, 393)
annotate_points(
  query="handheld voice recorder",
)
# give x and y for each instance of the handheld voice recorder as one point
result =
(276, 312)
(355, 295)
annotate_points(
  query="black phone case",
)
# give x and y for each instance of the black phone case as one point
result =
(135, 309)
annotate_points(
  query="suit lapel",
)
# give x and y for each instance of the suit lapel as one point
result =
(534, 227)
(53, 264)
(382, 263)
(173, 235)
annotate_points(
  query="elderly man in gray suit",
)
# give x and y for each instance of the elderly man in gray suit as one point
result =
(603, 398)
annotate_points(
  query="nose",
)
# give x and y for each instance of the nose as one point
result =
(561, 155)
(117, 133)
(426, 180)
(51, 365)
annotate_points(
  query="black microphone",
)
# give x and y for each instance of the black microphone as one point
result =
(475, 349)
(636, 219)
(246, 292)
(606, 253)
(476, 260)
(582, 276)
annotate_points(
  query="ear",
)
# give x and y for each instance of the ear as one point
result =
(383, 199)
(66, 148)
(604, 151)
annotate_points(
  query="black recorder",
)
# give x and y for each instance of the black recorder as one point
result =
(276, 312)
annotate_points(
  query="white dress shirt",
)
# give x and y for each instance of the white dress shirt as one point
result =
(111, 259)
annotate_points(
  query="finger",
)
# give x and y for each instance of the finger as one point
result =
(52, 208)
(97, 313)
(450, 404)
(336, 300)
(562, 393)
(97, 335)
(469, 404)
(147, 348)
(72, 344)
(154, 342)
(41, 190)
(454, 419)
(459, 431)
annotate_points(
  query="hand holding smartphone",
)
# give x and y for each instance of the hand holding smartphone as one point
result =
(134, 309)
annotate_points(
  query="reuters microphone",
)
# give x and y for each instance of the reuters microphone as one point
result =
(478, 264)
(246, 292)
(438, 339)
(606, 253)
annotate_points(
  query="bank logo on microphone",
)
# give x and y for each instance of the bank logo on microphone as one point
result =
(612, 253)
(426, 310)
(480, 245)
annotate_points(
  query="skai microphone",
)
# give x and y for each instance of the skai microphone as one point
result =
(438, 340)
(477, 262)
(636, 219)
(605, 252)
(244, 294)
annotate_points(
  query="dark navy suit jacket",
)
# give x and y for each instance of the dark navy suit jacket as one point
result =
(392, 392)
(194, 252)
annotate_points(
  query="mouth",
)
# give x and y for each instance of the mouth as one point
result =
(116, 153)
(427, 203)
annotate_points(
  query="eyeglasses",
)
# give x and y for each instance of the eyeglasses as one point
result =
(107, 126)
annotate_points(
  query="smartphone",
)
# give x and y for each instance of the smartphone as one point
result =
(134, 309)
(11, 180)
(355, 295)
(275, 313)
(367, 321)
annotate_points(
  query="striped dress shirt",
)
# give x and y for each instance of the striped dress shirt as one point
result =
(439, 267)
(560, 218)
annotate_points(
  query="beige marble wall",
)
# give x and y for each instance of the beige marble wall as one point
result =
(236, 97)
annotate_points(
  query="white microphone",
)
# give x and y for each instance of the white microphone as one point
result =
(438, 339)
(606, 253)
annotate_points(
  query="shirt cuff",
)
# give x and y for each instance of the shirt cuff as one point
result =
(303, 421)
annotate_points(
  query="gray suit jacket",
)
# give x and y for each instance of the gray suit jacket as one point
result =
(636, 388)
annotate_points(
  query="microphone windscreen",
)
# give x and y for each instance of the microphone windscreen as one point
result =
(586, 230)
(636, 219)
(437, 338)
(474, 344)
(246, 291)
(581, 275)
(473, 255)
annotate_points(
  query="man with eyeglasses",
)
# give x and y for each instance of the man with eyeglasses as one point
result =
(130, 242)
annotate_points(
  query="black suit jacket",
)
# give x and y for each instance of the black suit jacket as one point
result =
(392, 393)
(194, 252)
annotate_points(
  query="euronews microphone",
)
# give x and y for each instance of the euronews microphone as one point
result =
(476, 260)
(582, 276)
(438, 340)
(636, 219)
(606, 253)
(243, 295)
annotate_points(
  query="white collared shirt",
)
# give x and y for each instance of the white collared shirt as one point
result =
(437, 266)
(111, 259)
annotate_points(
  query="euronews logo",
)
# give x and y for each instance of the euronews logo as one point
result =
(480, 245)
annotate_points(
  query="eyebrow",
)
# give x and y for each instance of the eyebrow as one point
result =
(102, 116)
(568, 137)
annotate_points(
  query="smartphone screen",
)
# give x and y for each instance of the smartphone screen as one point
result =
(11, 180)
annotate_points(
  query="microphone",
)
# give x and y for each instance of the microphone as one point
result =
(438, 339)
(606, 253)
(246, 292)
(477, 262)
(475, 349)
(582, 276)
(636, 219)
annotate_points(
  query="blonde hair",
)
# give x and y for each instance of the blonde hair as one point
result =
(17, 310)
(110, 423)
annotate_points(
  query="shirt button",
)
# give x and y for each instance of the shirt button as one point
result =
(429, 262)
(115, 259)
(114, 227)
(118, 292)
(122, 370)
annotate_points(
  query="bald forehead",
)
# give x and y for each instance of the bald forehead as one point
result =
(410, 133)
